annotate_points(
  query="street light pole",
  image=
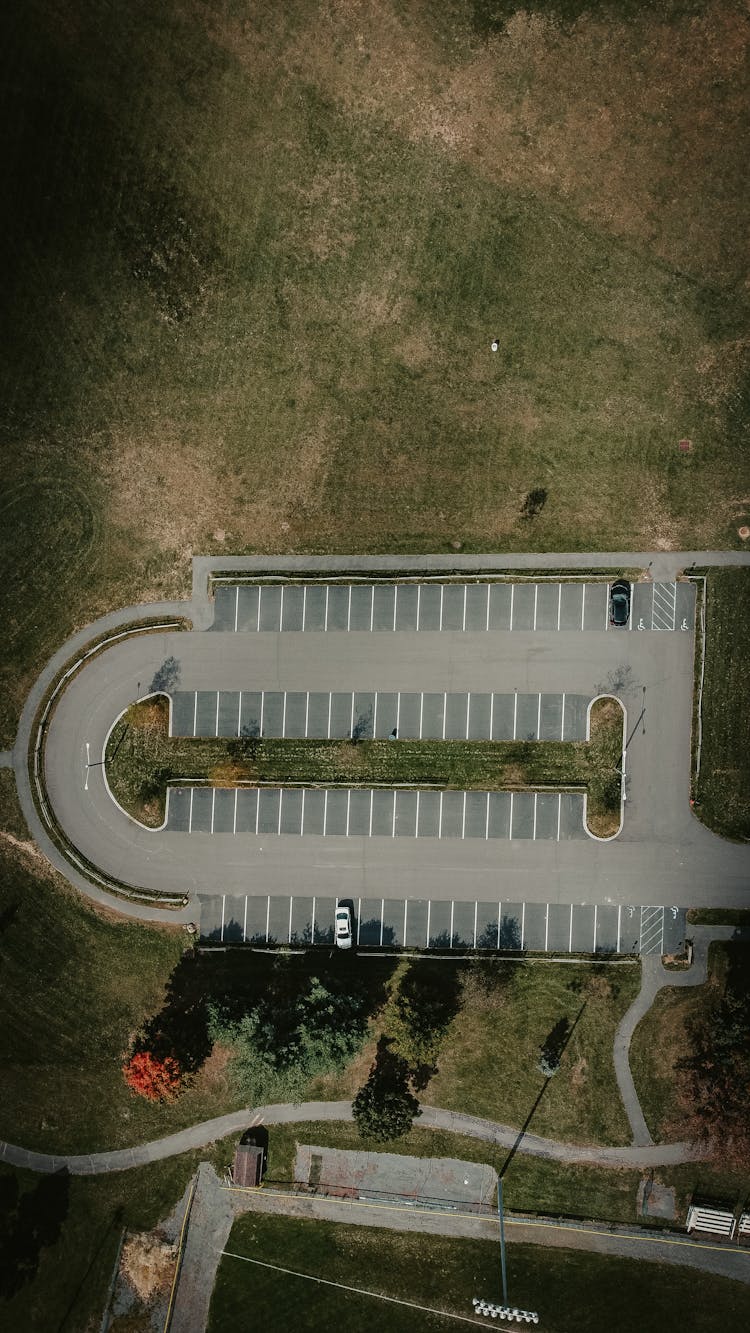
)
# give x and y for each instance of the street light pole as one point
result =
(501, 1216)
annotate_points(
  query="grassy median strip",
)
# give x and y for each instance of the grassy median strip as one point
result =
(142, 760)
(722, 792)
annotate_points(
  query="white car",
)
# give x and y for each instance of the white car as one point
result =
(343, 928)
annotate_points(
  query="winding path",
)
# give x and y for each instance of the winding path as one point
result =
(432, 1117)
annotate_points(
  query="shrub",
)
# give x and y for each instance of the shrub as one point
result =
(156, 1078)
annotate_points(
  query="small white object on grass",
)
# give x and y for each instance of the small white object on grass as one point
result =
(495, 345)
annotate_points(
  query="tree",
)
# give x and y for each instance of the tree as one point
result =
(384, 1108)
(156, 1078)
(716, 1074)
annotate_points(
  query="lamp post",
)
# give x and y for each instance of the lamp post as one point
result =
(501, 1215)
(504, 1311)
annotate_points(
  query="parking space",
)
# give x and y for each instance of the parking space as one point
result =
(416, 923)
(409, 716)
(460, 607)
(376, 812)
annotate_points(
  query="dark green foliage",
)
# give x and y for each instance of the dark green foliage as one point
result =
(715, 1091)
(722, 793)
(384, 1108)
(428, 999)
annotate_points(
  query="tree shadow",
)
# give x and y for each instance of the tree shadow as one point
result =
(429, 997)
(29, 1223)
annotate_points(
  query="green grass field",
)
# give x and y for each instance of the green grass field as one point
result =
(722, 792)
(255, 257)
(571, 1290)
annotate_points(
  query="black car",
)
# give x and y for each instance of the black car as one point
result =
(619, 603)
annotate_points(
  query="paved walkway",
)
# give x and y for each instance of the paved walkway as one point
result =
(654, 977)
(432, 1117)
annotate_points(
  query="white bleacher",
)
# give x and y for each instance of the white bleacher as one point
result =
(715, 1221)
(744, 1226)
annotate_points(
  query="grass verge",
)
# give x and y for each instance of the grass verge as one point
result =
(569, 1288)
(142, 759)
(718, 916)
(722, 791)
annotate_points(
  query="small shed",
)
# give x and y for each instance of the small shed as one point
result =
(247, 1170)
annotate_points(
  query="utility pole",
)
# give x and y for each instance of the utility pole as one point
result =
(501, 1215)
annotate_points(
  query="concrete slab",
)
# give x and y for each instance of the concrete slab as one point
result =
(432, 716)
(453, 606)
(364, 705)
(201, 812)
(475, 822)
(383, 606)
(523, 606)
(522, 817)
(477, 606)
(301, 930)
(342, 707)
(464, 915)
(500, 598)
(234, 919)
(558, 933)
(272, 714)
(382, 813)
(606, 929)
(369, 923)
(571, 606)
(456, 717)
(534, 923)
(315, 608)
(313, 812)
(250, 713)
(393, 922)
(224, 803)
(318, 707)
(359, 813)
(510, 926)
(385, 715)
(416, 924)
(406, 606)
(487, 925)
(551, 719)
(440, 920)
(498, 823)
(429, 814)
(338, 607)
(583, 929)
(480, 707)
(224, 607)
(527, 717)
(296, 712)
(548, 595)
(336, 807)
(206, 713)
(451, 814)
(409, 712)
(178, 810)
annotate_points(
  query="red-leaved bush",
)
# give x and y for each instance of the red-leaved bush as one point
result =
(152, 1077)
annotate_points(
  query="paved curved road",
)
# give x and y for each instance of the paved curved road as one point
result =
(663, 855)
(432, 1117)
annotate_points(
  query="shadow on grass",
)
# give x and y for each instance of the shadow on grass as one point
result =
(29, 1223)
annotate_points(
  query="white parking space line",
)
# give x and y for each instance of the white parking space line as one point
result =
(223, 905)
(416, 817)
(468, 707)
(395, 606)
(236, 606)
(325, 811)
(262, 706)
(283, 715)
(512, 590)
(492, 715)
(583, 603)
(419, 598)
(260, 599)
(476, 909)
(406, 902)
(451, 934)
(213, 807)
(533, 834)
(445, 711)
(351, 718)
(325, 620)
(463, 626)
(570, 933)
(562, 720)
(523, 923)
(440, 817)
(234, 818)
(515, 712)
(536, 594)
(594, 948)
(421, 713)
(216, 728)
(239, 713)
(257, 811)
(312, 921)
(304, 605)
(328, 730)
(268, 918)
(606, 609)
(348, 628)
(359, 918)
(372, 798)
(307, 711)
(427, 933)
(619, 910)
(289, 936)
(559, 603)
(398, 712)
(281, 608)
(559, 811)
(190, 812)
(630, 608)
(348, 808)
(382, 914)
(463, 818)
(281, 802)
(487, 616)
(244, 923)
(195, 713)
(487, 819)
(546, 928)
(375, 717)
(510, 821)
(442, 590)
(393, 824)
(302, 815)
(538, 716)
(372, 607)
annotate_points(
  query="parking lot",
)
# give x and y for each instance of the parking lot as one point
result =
(379, 812)
(467, 607)
(408, 716)
(556, 928)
